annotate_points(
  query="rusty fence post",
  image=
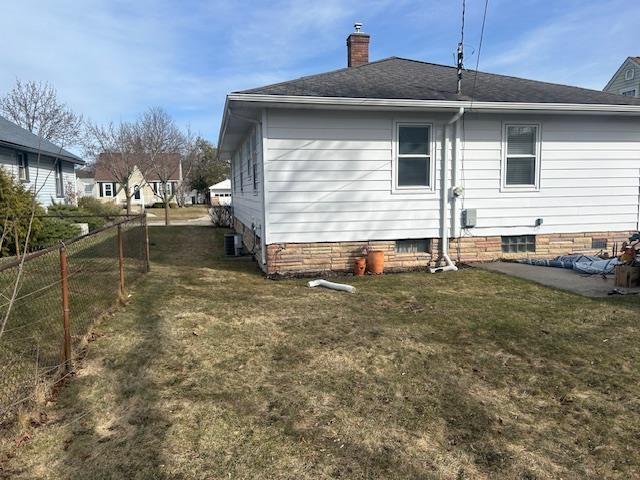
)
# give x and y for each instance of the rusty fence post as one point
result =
(147, 265)
(64, 282)
(121, 261)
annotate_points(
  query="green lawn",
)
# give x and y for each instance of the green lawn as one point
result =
(214, 372)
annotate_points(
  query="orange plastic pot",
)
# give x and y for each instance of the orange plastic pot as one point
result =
(375, 262)
(359, 266)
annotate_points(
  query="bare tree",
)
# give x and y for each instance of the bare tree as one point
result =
(163, 144)
(118, 150)
(35, 107)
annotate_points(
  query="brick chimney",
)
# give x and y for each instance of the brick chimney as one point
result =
(357, 47)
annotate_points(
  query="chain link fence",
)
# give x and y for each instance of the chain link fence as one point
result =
(61, 291)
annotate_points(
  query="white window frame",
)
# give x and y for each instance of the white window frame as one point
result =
(629, 90)
(538, 158)
(627, 71)
(23, 166)
(431, 188)
(59, 179)
(104, 190)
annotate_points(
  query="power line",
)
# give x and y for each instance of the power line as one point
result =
(475, 77)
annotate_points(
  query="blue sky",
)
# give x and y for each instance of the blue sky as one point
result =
(110, 59)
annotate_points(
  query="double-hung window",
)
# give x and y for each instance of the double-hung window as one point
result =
(59, 180)
(107, 190)
(522, 156)
(23, 166)
(413, 169)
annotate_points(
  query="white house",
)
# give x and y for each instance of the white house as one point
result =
(387, 155)
(626, 80)
(44, 168)
(220, 193)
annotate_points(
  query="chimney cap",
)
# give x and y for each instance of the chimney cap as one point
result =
(358, 27)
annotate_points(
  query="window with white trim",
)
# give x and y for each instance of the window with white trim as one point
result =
(23, 166)
(59, 180)
(413, 156)
(629, 93)
(522, 155)
(107, 190)
(629, 74)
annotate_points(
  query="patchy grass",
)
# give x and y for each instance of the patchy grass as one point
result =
(184, 213)
(213, 371)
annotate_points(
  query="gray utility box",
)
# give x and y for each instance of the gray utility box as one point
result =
(469, 217)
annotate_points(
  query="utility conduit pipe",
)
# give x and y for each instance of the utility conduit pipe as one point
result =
(444, 191)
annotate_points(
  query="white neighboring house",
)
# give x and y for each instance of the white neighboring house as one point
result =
(44, 168)
(387, 155)
(220, 193)
(626, 80)
(86, 185)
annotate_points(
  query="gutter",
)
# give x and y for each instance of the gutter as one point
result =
(434, 104)
(444, 192)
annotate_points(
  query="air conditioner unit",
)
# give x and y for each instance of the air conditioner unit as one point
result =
(237, 244)
(233, 244)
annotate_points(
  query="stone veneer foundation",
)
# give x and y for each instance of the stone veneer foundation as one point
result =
(310, 258)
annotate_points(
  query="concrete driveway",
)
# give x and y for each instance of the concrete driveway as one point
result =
(563, 279)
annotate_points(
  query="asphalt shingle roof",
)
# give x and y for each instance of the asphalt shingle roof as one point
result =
(14, 135)
(400, 78)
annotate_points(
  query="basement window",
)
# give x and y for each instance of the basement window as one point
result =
(598, 243)
(522, 156)
(518, 244)
(420, 245)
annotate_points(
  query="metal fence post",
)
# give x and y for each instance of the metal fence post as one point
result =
(121, 260)
(64, 282)
(147, 265)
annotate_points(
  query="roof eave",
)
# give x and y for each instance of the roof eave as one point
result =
(67, 158)
(285, 100)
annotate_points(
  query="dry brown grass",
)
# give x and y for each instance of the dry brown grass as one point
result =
(213, 371)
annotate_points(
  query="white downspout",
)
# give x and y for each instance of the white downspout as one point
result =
(444, 191)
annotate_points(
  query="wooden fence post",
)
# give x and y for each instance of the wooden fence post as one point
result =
(64, 282)
(147, 265)
(121, 261)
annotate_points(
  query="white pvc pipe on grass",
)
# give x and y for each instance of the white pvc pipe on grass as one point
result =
(332, 285)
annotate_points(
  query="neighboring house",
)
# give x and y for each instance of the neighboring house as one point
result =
(386, 155)
(626, 80)
(220, 193)
(44, 168)
(147, 190)
(86, 182)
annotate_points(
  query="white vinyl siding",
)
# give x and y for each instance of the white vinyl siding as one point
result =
(589, 176)
(41, 174)
(246, 179)
(330, 177)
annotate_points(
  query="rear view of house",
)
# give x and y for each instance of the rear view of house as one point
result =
(388, 155)
(42, 167)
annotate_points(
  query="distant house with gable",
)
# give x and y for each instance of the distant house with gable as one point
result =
(41, 166)
(626, 80)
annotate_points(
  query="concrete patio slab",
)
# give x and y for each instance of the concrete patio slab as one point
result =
(563, 279)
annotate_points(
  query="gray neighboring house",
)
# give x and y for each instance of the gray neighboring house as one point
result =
(626, 80)
(44, 168)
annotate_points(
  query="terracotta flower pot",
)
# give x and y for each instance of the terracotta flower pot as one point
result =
(359, 266)
(375, 262)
